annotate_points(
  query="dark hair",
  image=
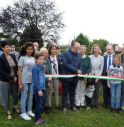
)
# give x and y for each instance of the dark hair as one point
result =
(24, 48)
(52, 46)
(38, 55)
(4, 43)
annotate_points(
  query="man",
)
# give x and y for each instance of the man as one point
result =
(13, 51)
(71, 65)
(108, 60)
(36, 46)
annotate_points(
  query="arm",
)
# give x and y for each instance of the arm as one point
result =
(102, 65)
(3, 73)
(89, 68)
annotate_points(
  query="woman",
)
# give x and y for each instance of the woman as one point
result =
(47, 70)
(8, 78)
(25, 66)
(55, 82)
(97, 62)
(81, 86)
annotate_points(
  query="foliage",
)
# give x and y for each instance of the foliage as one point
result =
(42, 14)
(82, 39)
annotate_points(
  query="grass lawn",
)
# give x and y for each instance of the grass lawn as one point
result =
(95, 118)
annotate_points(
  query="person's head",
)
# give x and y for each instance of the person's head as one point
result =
(44, 52)
(12, 47)
(27, 49)
(83, 49)
(53, 50)
(75, 47)
(39, 58)
(58, 49)
(96, 49)
(109, 49)
(117, 60)
(5, 47)
(36, 46)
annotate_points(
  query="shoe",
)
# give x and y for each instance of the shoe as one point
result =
(31, 114)
(40, 122)
(88, 108)
(25, 116)
(9, 115)
(75, 109)
(64, 110)
(118, 110)
(78, 107)
(111, 109)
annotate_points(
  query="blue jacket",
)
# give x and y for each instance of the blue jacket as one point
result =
(71, 62)
(38, 78)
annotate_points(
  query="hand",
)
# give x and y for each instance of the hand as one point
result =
(79, 72)
(20, 84)
(97, 80)
(40, 93)
(15, 79)
(50, 79)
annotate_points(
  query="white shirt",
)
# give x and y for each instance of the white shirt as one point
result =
(54, 62)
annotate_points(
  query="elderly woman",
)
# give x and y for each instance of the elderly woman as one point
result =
(97, 62)
(47, 70)
(8, 78)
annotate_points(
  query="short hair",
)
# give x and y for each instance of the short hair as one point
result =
(37, 55)
(73, 43)
(43, 50)
(83, 46)
(109, 46)
(4, 43)
(92, 49)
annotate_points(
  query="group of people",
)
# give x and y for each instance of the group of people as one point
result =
(24, 73)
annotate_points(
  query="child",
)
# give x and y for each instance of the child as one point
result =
(39, 87)
(115, 70)
(25, 66)
(89, 93)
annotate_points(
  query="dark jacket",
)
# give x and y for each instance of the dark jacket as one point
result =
(47, 67)
(38, 78)
(5, 69)
(71, 62)
(105, 65)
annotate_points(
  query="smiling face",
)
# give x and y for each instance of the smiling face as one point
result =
(29, 50)
(96, 49)
(109, 49)
(76, 47)
(53, 50)
(6, 49)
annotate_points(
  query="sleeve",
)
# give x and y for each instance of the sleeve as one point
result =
(67, 64)
(3, 73)
(35, 77)
(102, 65)
(89, 67)
(21, 61)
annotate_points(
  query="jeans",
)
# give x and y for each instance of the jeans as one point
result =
(54, 85)
(80, 93)
(122, 94)
(38, 106)
(69, 88)
(6, 92)
(115, 95)
(26, 97)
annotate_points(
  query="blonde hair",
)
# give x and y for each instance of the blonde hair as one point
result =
(42, 50)
(92, 49)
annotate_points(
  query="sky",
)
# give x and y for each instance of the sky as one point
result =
(97, 19)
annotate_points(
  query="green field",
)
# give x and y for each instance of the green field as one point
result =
(95, 118)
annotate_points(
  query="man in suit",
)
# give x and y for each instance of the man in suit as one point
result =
(108, 60)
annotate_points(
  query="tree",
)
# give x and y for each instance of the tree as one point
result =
(33, 34)
(39, 13)
(83, 40)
